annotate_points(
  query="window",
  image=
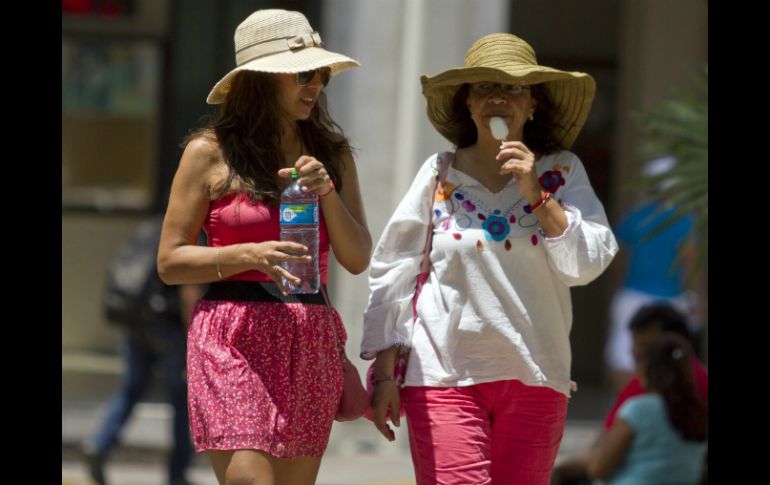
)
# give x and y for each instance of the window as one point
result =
(110, 122)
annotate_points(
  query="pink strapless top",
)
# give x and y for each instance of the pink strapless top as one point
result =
(234, 219)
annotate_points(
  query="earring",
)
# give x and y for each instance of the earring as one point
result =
(531, 117)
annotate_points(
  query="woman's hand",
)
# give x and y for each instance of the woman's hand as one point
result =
(313, 177)
(268, 256)
(386, 397)
(519, 161)
(343, 208)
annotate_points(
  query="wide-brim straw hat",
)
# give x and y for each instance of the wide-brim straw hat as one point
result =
(278, 41)
(506, 58)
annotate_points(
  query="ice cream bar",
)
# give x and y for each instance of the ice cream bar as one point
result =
(498, 127)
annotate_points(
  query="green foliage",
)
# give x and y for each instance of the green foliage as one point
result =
(679, 127)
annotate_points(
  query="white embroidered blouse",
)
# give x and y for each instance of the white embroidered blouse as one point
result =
(496, 304)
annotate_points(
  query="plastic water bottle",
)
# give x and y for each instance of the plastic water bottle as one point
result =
(299, 223)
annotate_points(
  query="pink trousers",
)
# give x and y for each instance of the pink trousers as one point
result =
(501, 432)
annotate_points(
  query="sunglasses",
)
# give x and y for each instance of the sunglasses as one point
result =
(306, 77)
(486, 88)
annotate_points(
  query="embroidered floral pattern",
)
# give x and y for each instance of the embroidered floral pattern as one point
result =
(445, 191)
(496, 228)
(551, 180)
(462, 222)
(493, 221)
(496, 223)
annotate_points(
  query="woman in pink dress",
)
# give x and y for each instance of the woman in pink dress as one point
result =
(263, 367)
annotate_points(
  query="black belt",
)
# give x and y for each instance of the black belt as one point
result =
(257, 291)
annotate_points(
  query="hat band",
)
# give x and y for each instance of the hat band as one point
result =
(275, 46)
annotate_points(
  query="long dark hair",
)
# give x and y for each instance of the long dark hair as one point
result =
(247, 129)
(668, 370)
(538, 133)
(464, 133)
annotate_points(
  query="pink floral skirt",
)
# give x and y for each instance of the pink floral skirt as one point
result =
(264, 376)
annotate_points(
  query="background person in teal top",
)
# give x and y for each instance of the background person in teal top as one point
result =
(659, 437)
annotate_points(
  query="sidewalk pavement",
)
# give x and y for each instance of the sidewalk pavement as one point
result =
(356, 455)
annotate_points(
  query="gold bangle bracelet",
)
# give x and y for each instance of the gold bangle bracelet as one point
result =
(219, 270)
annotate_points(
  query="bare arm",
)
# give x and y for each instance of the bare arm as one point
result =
(180, 259)
(611, 452)
(343, 212)
(348, 230)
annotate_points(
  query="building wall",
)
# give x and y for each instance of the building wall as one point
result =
(89, 241)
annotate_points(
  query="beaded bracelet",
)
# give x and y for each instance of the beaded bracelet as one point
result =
(331, 188)
(542, 201)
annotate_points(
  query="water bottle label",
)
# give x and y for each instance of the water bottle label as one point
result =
(299, 214)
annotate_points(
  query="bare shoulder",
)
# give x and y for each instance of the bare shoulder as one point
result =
(203, 159)
(204, 151)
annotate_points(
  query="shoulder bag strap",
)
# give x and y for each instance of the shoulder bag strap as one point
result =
(444, 161)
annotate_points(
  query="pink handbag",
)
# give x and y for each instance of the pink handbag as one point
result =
(399, 372)
(354, 401)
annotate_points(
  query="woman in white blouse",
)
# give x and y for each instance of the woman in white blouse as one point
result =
(515, 224)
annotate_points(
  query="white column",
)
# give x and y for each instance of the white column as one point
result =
(408, 97)
(663, 45)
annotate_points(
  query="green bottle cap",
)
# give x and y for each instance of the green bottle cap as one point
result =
(294, 174)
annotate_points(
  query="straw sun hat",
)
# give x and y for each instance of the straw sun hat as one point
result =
(505, 58)
(278, 41)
